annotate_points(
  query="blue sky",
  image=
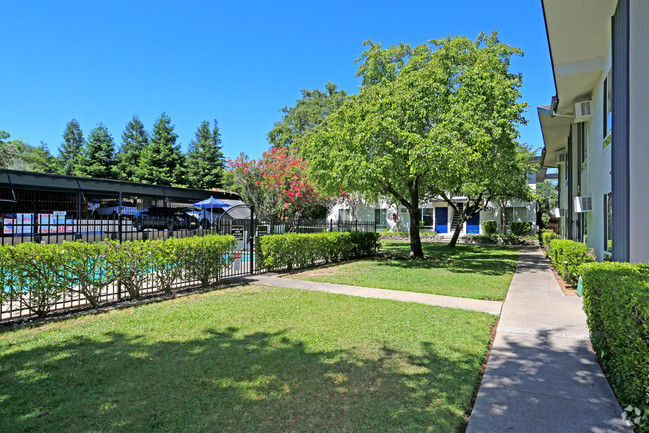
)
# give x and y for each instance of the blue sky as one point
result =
(238, 62)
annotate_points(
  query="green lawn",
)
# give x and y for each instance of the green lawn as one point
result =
(466, 271)
(246, 359)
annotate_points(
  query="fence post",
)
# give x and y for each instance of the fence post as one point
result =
(252, 239)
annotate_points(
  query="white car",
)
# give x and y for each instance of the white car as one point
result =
(112, 209)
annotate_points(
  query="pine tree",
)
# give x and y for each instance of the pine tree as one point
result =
(98, 159)
(72, 147)
(134, 140)
(162, 161)
(205, 161)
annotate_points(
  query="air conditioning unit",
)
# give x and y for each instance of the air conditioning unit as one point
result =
(563, 157)
(583, 204)
(583, 111)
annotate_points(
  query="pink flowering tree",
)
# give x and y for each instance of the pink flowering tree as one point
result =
(278, 185)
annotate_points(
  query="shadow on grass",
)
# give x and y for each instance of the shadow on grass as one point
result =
(227, 381)
(485, 260)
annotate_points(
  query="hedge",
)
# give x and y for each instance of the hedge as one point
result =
(616, 302)
(489, 227)
(567, 256)
(521, 228)
(546, 236)
(297, 250)
(39, 275)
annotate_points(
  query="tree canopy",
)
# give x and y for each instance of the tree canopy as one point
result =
(308, 112)
(278, 184)
(161, 162)
(430, 120)
(71, 148)
(98, 157)
(134, 140)
(205, 161)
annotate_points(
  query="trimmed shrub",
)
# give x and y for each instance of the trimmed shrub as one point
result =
(546, 236)
(296, 250)
(207, 256)
(567, 256)
(489, 227)
(169, 260)
(616, 302)
(88, 268)
(521, 228)
(132, 264)
(37, 274)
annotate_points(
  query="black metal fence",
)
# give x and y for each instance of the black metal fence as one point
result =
(177, 222)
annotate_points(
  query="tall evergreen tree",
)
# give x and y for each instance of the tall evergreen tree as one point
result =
(72, 146)
(162, 161)
(98, 159)
(205, 161)
(134, 140)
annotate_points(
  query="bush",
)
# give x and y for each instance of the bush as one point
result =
(132, 263)
(169, 260)
(207, 256)
(489, 227)
(521, 228)
(37, 276)
(567, 256)
(88, 268)
(546, 236)
(616, 302)
(293, 250)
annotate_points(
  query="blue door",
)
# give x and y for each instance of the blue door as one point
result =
(441, 219)
(473, 225)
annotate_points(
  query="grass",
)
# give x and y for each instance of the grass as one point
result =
(466, 271)
(246, 359)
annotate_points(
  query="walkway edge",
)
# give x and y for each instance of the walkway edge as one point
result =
(490, 307)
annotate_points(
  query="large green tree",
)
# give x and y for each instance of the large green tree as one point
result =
(134, 140)
(477, 132)
(98, 158)
(390, 138)
(5, 154)
(205, 161)
(18, 155)
(308, 112)
(162, 161)
(71, 148)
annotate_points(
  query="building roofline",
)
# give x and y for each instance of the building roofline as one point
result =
(45, 181)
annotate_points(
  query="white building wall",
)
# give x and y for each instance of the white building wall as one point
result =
(638, 131)
(598, 168)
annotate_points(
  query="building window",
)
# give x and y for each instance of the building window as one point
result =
(344, 215)
(583, 144)
(426, 216)
(515, 214)
(608, 229)
(607, 112)
(380, 218)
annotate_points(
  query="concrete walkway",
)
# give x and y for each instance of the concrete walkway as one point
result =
(491, 307)
(542, 375)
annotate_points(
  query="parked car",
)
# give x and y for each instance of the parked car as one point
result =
(164, 218)
(205, 216)
(112, 209)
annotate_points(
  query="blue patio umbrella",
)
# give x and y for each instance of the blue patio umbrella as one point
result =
(211, 203)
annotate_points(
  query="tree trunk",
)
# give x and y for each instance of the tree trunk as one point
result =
(415, 241)
(456, 233)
